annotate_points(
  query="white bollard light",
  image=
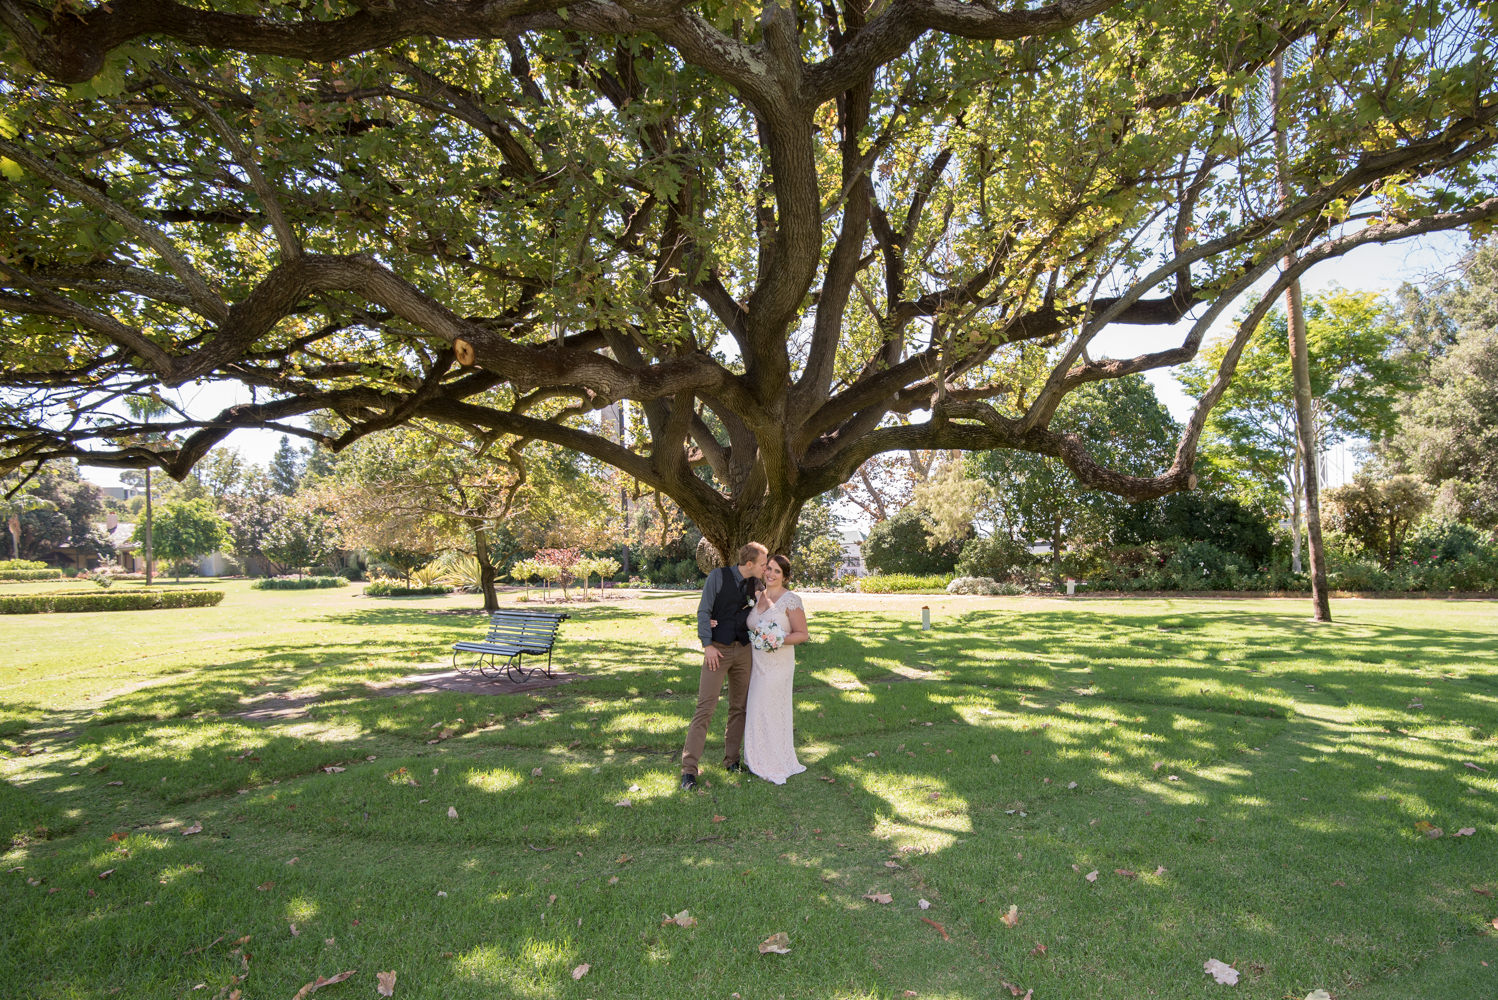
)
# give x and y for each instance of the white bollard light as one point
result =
(926, 618)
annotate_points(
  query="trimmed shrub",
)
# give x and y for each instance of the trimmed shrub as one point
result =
(902, 583)
(22, 564)
(18, 575)
(389, 588)
(982, 585)
(299, 583)
(135, 600)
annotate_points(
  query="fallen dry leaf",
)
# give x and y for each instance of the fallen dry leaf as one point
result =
(923, 904)
(1318, 995)
(682, 919)
(778, 943)
(581, 971)
(1468, 763)
(1011, 918)
(1014, 990)
(878, 897)
(334, 769)
(386, 985)
(117, 837)
(719, 819)
(264, 886)
(535, 772)
(1429, 829)
(1125, 873)
(1465, 831)
(295, 932)
(1091, 876)
(195, 828)
(1223, 973)
(452, 812)
(106, 873)
(1038, 950)
(320, 982)
(892, 864)
(1160, 870)
(624, 802)
(114, 783)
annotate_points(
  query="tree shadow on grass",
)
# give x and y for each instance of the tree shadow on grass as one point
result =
(1291, 823)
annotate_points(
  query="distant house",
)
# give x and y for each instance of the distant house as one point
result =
(853, 564)
(126, 550)
(125, 493)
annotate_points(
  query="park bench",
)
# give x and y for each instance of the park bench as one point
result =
(513, 634)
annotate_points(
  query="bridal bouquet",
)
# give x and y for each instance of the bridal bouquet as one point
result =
(766, 637)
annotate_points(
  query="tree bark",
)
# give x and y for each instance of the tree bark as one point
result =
(486, 570)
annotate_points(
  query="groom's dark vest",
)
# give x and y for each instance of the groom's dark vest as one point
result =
(731, 609)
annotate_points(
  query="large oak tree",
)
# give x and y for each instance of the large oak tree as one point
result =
(797, 236)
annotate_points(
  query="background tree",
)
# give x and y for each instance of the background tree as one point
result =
(250, 510)
(66, 519)
(816, 551)
(795, 242)
(901, 543)
(222, 473)
(1448, 431)
(1033, 498)
(18, 499)
(186, 529)
(1357, 376)
(1378, 511)
(286, 467)
(300, 537)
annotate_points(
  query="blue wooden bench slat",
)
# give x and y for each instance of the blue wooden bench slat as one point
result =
(513, 634)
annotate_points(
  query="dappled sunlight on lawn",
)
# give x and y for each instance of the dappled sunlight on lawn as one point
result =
(1275, 771)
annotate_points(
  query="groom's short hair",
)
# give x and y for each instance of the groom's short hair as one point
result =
(751, 551)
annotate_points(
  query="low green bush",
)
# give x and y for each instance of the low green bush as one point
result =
(22, 564)
(30, 574)
(902, 583)
(389, 588)
(299, 583)
(983, 585)
(134, 600)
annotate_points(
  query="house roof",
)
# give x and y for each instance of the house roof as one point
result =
(120, 536)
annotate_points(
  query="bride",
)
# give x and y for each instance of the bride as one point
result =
(769, 743)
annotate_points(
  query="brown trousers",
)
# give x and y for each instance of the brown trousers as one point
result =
(734, 665)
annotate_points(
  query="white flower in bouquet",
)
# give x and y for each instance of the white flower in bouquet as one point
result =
(767, 637)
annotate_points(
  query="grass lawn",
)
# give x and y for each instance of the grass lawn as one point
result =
(1247, 787)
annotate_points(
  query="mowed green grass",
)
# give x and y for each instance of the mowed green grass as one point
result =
(1246, 785)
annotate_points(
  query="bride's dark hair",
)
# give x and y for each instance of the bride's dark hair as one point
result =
(785, 568)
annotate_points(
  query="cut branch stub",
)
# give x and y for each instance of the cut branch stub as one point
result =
(463, 350)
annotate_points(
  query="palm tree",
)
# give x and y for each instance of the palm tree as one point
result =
(143, 408)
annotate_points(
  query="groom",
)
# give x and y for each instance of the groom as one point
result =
(727, 598)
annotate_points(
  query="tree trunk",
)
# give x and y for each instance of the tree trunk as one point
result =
(486, 570)
(1300, 366)
(1295, 495)
(15, 536)
(150, 555)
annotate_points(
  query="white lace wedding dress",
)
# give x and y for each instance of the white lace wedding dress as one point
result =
(769, 736)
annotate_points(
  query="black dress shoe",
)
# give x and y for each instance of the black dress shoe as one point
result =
(688, 782)
(737, 767)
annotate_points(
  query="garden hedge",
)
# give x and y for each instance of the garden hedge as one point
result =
(384, 588)
(30, 574)
(299, 583)
(135, 600)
